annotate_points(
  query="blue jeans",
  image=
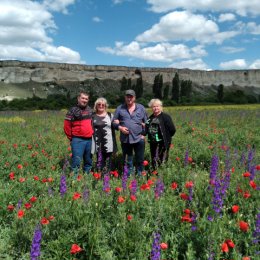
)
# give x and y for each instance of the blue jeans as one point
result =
(138, 149)
(81, 148)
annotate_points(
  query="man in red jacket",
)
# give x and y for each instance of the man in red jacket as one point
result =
(78, 128)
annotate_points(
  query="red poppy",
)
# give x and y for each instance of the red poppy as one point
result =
(184, 196)
(224, 247)
(114, 173)
(246, 258)
(253, 185)
(230, 243)
(174, 185)
(51, 218)
(75, 249)
(246, 195)
(233, 169)
(33, 199)
(118, 189)
(97, 175)
(187, 211)
(121, 199)
(145, 186)
(21, 179)
(36, 178)
(145, 163)
(257, 167)
(246, 174)
(27, 205)
(190, 160)
(178, 158)
(189, 184)
(45, 221)
(19, 166)
(11, 176)
(186, 218)
(132, 197)
(164, 246)
(10, 207)
(235, 208)
(129, 217)
(20, 213)
(154, 172)
(243, 226)
(50, 179)
(79, 177)
(76, 196)
(15, 146)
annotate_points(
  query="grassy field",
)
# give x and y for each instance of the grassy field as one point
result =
(202, 204)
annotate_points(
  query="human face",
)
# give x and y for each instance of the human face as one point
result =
(130, 100)
(157, 109)
(101, 107)
(83, 100)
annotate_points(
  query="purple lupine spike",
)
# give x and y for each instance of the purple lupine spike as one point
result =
(193, 221)
(256, 233)
(217, 200)
(125, 178)
(19, 204)
(250, 157)
(133, 186)
(252, 171)
(156, 249)
(99, 160)
(36, 244)
(243, 159)
(106, 184)
(159, 188)
(65, 165)
(190, 193)
(213, 170)
(63, 185)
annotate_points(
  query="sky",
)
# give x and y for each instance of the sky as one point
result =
(197, 34)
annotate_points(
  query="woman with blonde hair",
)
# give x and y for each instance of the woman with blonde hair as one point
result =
(160, 130)
(104, 143)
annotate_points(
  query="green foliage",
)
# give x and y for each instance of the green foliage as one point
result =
(176, 88)
(220, 93)
(157, 86)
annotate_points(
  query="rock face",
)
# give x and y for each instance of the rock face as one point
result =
(18, 72)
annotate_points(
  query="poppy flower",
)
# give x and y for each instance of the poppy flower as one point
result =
(246, 195)
(45, 221)
(10, 207)
(190, 160)
(129, 217)
(19, 166)
(243, 226)
(246, 258)
(224, 247)
(257, 167)
(174, 185)
(246, 174)
(189, 184)
(253, 185)
(36, 178)
(184, 196)
(118, 189)
(121, 199)
(235, 208)
(186, 218)
(145, 186)
(164, 246)
(75, 249)
(145, 163)
(178, 158)
(21, 179)
(76, 196)
(11, 176)
(27, 205)
(51, 218)
(20, 213)
(33, 199)
(233, 169)
(97, 175)
(230, 243)
(187, 211)
(132, 197)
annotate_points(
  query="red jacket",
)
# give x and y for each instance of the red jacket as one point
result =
(78, 122)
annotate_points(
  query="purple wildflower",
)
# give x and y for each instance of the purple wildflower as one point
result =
(99, 160)
(213, 169)
(251, 154)
(256, 233)
(106, 185)
(85, 194)
(36, 244)
(156, 249)
(190, 193)
(63, 186)
(133, 187)
(186, 159)
(159, 188)
(19, 204)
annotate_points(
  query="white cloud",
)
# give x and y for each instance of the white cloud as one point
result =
(226, 17)
(234, 64)
(96, 19)
(25, 33)
(229, 49)
(241, 7)
(183, 25)
(196, 64)
(162, 52)
(255, 65)
(253, 28)
(58, 5)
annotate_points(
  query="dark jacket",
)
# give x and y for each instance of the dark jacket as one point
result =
(166, 126)
(78, 122)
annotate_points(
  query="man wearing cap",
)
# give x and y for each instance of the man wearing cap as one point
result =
(129, 119)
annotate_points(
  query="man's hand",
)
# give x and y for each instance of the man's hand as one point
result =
(124, 130)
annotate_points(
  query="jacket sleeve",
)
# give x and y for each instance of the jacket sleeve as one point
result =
(67, 125)
(170, 125)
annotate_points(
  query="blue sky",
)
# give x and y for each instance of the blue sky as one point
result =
(198, 34)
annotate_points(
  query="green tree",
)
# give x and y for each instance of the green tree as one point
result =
(124, 84)
(220, 93)
(166, 92)
(157, 86)
(176, 88)
(139, 84)
(185, 90)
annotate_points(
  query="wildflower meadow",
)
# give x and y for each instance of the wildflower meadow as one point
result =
(204, 203)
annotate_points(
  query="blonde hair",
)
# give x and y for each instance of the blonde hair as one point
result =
(155, 101)
(100, 100)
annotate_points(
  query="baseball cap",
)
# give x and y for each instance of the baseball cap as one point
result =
(130, 92)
